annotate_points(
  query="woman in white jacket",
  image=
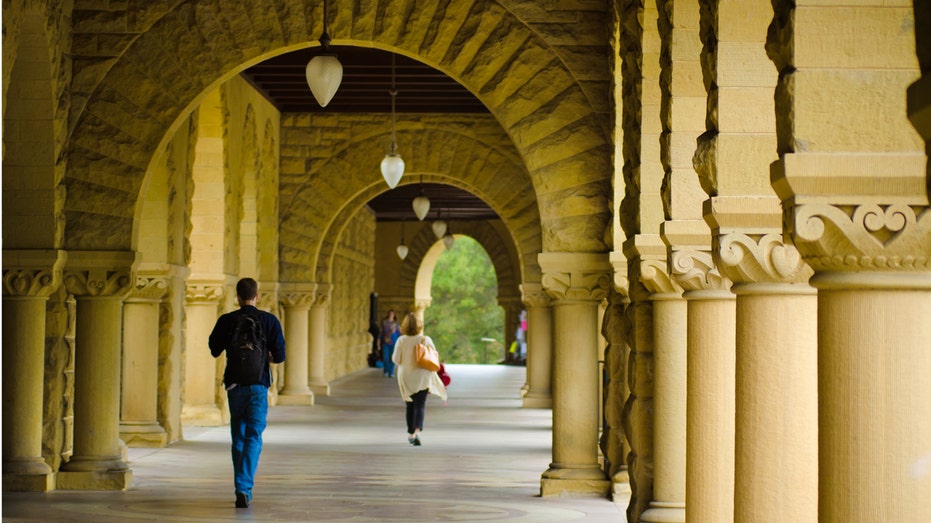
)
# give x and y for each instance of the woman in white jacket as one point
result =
(415, 382)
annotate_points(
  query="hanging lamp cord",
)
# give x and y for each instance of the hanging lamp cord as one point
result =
(393, 92)
(325, 38)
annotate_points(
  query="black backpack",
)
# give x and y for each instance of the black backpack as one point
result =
(247, 356)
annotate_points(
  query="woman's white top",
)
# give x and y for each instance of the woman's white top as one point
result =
(412, 378)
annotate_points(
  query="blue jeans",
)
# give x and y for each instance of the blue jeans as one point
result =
(248, 412)
(387, 350)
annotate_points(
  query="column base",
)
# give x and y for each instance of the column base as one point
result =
(323, 388)
(95, 480)
(663, 512)
(150, 435)
(537, 400)
(620, 486)
(19, 482)
(588, 481)
(201, 415)
(296, 398)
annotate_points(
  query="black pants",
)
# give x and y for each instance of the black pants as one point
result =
(415, 410)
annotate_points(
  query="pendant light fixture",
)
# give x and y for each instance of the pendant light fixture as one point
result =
(421, 203)
(402, 249)
(324, 72)
(392, 166)
(448, 238)
(439, 228)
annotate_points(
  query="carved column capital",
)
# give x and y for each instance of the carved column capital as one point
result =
(421, 304)
(100, 274)
(695, 271)
(296, 299)
(654, 274)
(322, 295)
(576, 276)
(621, 280)
(148, 288)
(876, 219)
(760, 258)
(30, 273)
(866, 237)
(533, 295)
(203, 292)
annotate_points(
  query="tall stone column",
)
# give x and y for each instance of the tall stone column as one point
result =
(615, 328)
(296, 309)
(670, 346)
(853, 180)
(99, 281)
(539, 347)
(29, 277)
(709, 480)
(201, 376)
(318, 340)
(577, 282)
(139, 425)
(776, 455)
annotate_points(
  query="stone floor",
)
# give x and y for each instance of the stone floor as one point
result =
(347, 459)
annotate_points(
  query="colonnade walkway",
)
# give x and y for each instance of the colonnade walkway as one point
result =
(347, 459)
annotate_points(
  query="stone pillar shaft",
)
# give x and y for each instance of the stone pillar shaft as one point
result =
(670, 338)
(318, 340)
(23, 359)
(539, 348)
(202, 372)
(776, 431)
(577, 282)
(874, 362)
(139, 396)
(295, 390)
(710, 426)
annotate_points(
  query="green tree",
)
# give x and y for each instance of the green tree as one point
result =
(465, 307)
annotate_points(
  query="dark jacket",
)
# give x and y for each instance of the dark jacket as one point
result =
(222, 336)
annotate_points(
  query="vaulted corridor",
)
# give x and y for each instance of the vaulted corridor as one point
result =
(347, 459)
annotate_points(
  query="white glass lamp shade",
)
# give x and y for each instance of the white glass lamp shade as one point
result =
(448, 240)
(324, 74)
(402, 251)
(392, 168)
(421, 207)
(439, 229)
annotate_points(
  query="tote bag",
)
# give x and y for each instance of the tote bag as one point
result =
(427, 357)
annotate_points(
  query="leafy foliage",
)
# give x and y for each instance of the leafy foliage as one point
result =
(465, 306)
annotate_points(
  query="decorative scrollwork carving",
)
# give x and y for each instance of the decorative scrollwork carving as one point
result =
(865, 237)
(149, 288)
(535, 296)
(204, 292)
(98, 282)
(655, 277)
(296, 299)
(762, 259)
(587, 286)
(30, 282)
(695, 271)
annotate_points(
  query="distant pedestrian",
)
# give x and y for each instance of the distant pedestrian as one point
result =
(415, 382)
(390, 331)
(252, 339)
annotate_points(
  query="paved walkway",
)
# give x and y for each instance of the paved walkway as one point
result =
(347, 459)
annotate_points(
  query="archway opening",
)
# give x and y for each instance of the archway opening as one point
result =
(464, 318)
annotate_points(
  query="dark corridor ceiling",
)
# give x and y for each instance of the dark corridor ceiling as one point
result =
(364, 89)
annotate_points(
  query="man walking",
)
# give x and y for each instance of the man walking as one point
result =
(251, 339)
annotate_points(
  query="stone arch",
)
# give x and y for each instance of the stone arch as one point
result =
(33, 195)
(315, 211)
(529, 81)
(425, 248)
